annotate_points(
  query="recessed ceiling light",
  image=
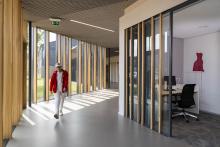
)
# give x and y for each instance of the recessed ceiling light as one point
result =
(79, 22)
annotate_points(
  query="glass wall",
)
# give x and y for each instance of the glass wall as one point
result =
(98, 68)
(74, 66)
(135, 70)
(148, 47)
(83, 61)
(41, 65)
(156, 72)
(147, 73)
(52, 54)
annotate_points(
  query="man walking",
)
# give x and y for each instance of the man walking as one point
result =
(59, 86)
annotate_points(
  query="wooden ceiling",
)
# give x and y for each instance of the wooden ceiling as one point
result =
(103, 13)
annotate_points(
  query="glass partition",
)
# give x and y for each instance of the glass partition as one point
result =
(166, 99)
(156, 72)
(147, 56)
(147, 97)
(135, 70)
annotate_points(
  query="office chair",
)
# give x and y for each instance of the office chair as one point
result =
(186, 102)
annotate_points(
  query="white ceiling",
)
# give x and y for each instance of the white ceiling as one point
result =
(199, 19)
(102, 13)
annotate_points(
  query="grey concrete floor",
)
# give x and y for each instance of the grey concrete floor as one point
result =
(95, 125)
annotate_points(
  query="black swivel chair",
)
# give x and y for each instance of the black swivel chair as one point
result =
(186, 102)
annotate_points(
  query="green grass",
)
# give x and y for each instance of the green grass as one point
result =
(40, 88)
(73, 87)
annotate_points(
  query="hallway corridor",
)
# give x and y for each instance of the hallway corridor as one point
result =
(90, 120)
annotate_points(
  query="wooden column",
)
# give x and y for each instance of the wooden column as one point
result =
(1, 73)
(70, 65)
(16, 62)
(47, 64)
(143, 74)
(58, 48)
(152, 74)
(160, 75)
(7, 69)
(89, 65)
(95, 60)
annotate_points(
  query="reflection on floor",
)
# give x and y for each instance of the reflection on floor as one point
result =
(45, 110)
(203, 133)
(91, 120)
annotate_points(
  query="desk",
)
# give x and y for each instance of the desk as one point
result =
(178, 90)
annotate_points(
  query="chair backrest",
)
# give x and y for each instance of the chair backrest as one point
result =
(187, 96)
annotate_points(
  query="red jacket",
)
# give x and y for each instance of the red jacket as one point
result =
(53, 82)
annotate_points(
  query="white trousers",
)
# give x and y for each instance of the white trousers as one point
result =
(59, 100)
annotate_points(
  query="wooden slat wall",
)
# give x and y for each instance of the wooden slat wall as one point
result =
(1, 73)
(7, 68)
(11, 61)
(16, 67)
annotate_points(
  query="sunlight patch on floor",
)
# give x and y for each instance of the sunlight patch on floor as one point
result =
(46, 110)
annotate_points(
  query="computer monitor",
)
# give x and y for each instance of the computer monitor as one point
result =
(173, 80)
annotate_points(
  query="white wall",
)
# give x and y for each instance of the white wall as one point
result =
(139, 11)
(178, 46)
(209, 80)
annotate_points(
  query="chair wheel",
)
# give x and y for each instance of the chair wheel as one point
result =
(197, 119)
(187, 121)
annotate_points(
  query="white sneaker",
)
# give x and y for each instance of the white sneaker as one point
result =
(61, 113)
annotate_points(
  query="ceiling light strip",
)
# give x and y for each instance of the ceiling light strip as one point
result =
(92, 26)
